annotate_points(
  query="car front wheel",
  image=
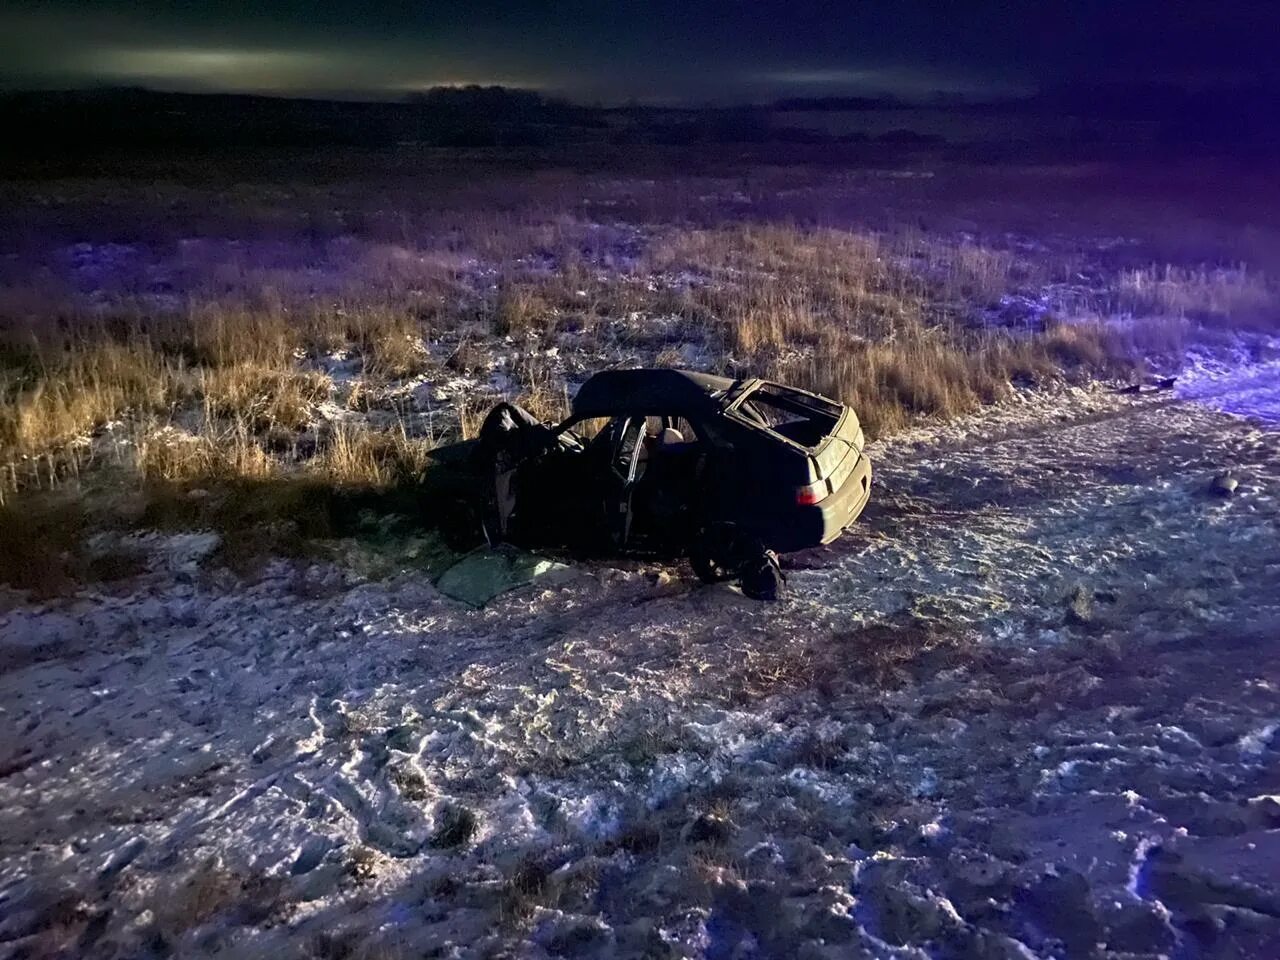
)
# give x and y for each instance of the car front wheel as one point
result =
(459, 526)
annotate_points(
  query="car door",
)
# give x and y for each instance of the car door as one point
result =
(626, 465)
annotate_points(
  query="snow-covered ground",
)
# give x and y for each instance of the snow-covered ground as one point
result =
(1029, 707)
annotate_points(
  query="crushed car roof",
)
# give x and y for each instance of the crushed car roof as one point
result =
(676, 392)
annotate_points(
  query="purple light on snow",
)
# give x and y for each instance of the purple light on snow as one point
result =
(1252, 393)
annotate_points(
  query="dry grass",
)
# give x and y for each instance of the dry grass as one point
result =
(41, 546)
(769, 669)
(542, 392)
(930, 375)
(224, 451)
(892, 654)
(546, 402)
(519, 309)
(263, 397)
(457, 825)
(1233, 295)
(228, 333)
(470, 418)
(875, 292)
(526, 889)
(889, 385)
(779, 286)
(884, 655)
(89, 385)
(975, 273)
(361, 457)
(195, 900)
(211, 891)
(216, 454)
(388, 338)
(395, 356)
(468, 358)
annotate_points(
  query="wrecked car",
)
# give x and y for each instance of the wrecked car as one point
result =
(669, 462)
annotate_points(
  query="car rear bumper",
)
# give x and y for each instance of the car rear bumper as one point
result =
(821, 523)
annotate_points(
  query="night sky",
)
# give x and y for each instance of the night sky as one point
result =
(658, 51)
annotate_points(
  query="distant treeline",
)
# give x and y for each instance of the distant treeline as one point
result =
(129, 117)
(81, 122)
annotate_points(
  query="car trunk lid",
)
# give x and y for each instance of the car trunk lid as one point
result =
(827, 433)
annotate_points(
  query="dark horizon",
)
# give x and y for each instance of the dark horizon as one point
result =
(1105, 97)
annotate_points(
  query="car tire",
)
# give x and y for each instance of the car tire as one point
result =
(719, 552)
(707, 568)
(461, 527)
(763, 579)
(708, 554)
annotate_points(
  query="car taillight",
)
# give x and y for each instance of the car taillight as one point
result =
(813, 493)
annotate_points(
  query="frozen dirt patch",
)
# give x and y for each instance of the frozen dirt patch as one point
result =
(1026, 709)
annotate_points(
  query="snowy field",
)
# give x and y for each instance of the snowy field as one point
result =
(1028, 708)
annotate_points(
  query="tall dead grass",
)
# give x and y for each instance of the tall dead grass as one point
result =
(928, 375)
(1234, 295)
(94, 384)
(263, 397)
(518, 310)
(217, 453)
(890, 320)
(356, 456)
(888, 385)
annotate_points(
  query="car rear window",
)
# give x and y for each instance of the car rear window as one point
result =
(800, 417)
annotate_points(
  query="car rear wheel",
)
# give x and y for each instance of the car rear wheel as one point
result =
(719, 551)
(707, 567)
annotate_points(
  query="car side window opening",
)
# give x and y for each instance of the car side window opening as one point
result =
(663, 448)
(617, 441)
(674, 465)
(589, 428)
(631, 453)
(676, 432)
(602, 434)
